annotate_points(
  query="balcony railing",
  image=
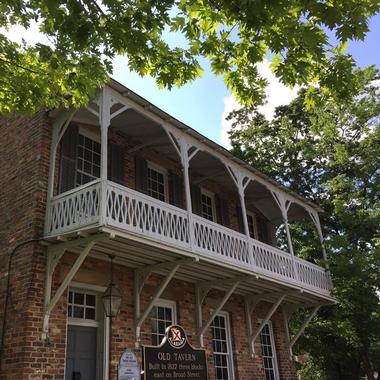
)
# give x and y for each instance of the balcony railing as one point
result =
(132, 211)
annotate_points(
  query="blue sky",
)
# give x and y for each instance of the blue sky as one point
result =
(202, 103)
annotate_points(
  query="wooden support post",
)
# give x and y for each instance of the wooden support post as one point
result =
(104, 121)
(59, 126)
(185, 160)
(284, 205)
(315, 218)
(241, 183)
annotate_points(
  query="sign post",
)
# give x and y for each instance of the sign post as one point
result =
(175, 358)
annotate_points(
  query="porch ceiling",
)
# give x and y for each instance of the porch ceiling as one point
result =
(150, 135)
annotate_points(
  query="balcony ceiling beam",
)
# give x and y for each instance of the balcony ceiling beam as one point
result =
(141, 276)
(119, 111)
(93, 111)
(221, 282)
(148, 269)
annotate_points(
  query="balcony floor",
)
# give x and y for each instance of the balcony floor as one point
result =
(135, 252)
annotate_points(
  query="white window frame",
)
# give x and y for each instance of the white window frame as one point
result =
(161, 302)
(84, 321)
(210, 195)
(230, 358)
(94, 137)
(255, 230)
(97, 290)
(160, 169)
(273, 346)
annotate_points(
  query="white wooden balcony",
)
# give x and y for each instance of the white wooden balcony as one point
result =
(104, 203)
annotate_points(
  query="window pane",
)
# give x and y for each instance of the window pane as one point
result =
(88, 143)
(97, 148)
(90, 313)
(168, 314)
(78, 312)
(161, 313)
(79, 298)
(207, 207)
(90, 300)
(156, 184)
(161, 327)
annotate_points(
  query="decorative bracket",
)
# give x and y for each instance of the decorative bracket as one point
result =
(201, 291)
(302, 329)
(141, 275)
(54, 254)
(250, 304)
(288, 311)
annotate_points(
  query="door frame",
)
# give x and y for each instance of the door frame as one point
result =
(106, 328)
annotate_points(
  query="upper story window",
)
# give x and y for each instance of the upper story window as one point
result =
(208, 205)
(81, 305)
(157, 182)
(88, 160)
(163, 315)
(252, 225)
(221, 343)
(269, 353)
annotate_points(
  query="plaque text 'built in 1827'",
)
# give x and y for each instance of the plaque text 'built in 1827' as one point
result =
(175, 358)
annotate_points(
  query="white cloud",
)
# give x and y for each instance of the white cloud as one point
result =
(276, 92)
(230, 104)
(32, 35)
(376, 83)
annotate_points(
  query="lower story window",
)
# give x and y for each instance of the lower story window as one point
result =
(81, 305)
(162, 316)
(269, 353)
(221, 343)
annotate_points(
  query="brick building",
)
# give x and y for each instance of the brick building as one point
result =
(188, 229)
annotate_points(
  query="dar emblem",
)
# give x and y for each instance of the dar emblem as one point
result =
(176, 336)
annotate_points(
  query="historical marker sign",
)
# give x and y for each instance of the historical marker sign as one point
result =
(129, 368)
(175, 358)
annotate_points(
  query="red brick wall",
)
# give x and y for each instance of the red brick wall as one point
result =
(94, 271)
(24, 157)
(24, 153)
